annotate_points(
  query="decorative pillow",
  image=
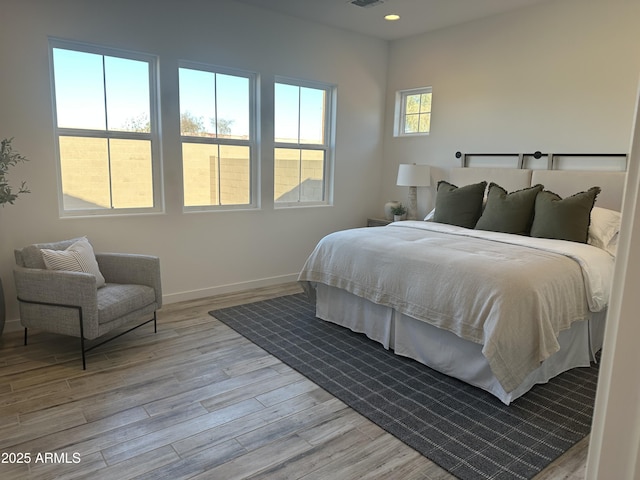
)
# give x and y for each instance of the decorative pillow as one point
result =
(459, 206)
(31, 256)
(563, 219)
(509, 212)
(78, 257)
(604, 228)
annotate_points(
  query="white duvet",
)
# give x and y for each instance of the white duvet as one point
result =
(510, 293)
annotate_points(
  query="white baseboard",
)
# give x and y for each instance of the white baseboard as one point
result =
(229, 288)
(13, 325)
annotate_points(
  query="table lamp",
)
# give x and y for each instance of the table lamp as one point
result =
(413, 176)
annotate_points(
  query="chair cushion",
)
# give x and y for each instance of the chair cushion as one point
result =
(116, 300)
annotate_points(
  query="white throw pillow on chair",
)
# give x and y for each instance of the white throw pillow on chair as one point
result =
(79, 257)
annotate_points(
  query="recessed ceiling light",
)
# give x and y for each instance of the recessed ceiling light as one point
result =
(391, 17)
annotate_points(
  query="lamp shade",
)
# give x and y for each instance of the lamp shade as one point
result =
(412, 175)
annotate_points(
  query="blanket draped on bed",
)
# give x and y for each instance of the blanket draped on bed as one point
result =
(509, 293)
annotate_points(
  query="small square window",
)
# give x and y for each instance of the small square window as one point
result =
(413, 112)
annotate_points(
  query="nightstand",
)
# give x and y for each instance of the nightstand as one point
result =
(377, 222)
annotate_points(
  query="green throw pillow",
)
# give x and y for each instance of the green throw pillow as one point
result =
(459, 206)
(564, 218)
(509, 212)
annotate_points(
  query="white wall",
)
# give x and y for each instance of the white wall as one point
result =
(201, 253)
(559, 76)
(614, 447)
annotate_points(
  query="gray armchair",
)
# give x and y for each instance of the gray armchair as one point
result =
(73, 302)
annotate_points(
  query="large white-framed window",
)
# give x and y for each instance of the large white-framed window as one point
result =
(218, 125)
(304, 130)
(105, 104)
(413, 112)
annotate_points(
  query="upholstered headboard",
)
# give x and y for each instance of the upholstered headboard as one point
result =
(508, 178)
(568, 182)
(562, 182)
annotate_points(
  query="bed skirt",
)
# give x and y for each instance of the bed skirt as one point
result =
(447, 353)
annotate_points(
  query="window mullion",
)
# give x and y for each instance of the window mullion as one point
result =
(110, 175)
(104, 93)
(299, 113)
(299, 174)
(217, 136)
(305, 146)
(219, 174)
(299, 144)
(106, 124)
(215, 104)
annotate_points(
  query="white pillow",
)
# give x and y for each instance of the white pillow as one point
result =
(604, 228)
(79, 257)
(430, 215)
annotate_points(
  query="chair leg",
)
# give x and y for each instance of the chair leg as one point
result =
(85, 350)
(84, 356)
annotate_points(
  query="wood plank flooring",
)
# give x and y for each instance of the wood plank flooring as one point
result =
(193, 401)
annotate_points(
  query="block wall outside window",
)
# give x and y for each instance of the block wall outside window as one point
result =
(108, 145)
(106, 106)
(217, 125)
(303, 154)
(210, 179)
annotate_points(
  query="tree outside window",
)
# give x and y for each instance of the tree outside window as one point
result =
(413, 112)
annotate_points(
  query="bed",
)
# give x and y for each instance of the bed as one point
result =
(500, 311)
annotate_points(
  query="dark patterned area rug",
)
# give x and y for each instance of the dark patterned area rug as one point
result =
(463, 429)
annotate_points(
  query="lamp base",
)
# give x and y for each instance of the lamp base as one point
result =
(412, 208)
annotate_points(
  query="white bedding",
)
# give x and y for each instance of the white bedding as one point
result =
(473, 284)
(447, 353)
(596, 265)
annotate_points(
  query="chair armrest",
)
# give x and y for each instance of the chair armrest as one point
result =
(57, 287)
(130, 268)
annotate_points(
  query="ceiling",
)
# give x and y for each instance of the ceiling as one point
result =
(416, 16)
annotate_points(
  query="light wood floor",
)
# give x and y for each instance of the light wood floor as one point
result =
(195, 400)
